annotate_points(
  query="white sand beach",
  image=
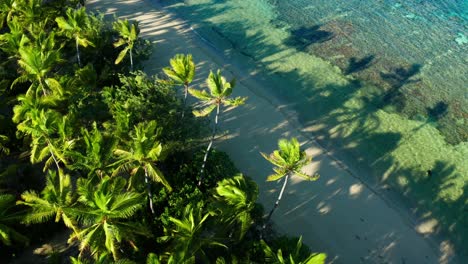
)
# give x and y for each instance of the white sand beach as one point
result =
(339, 214)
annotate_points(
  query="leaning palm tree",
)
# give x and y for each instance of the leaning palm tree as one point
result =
(289, 159)
(105, 211)
(75, 26)
(140, 155)
(128, 36)
(220, 91)
(55, 201)
(181, 72)
(8, 217)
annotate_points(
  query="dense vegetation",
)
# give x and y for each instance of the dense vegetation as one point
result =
(93, 148)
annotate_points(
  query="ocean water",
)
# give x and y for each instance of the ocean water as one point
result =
(382, 83)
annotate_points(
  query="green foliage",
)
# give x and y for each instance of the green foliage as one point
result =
(142, 152)
(111, 134)
(128, 36)
(235, 198)
(104, 213)
(7, 218)
(182, 69)
(294, 257)
(289, 158)
(55, 201)
(187, 236)
(220, 91)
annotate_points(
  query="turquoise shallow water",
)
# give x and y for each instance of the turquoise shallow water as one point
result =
(383, 83)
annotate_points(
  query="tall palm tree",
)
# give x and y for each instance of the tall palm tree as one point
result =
(105, 213)
(75, 26)
(141, 154)
(289, 159)
(234, 201)
(188, 239)
(182, 72)
(55, 201)
(8, 217)
(294, 257)
(36, 65)
(220, 91)
(128, 36)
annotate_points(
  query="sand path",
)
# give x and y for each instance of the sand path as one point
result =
(339, 214)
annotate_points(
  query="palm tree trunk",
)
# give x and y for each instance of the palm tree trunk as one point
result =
(52, 154)
(209, 145)
(43, 86)
(131, 60)
(78, 53)
(277, 201)
(185, 99)
(150, 194)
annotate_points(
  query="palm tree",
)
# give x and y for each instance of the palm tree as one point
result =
(105, 213)
(234, 200)
(188, 239)
(44, 126)
(98, 153)
(29, 11)
(278, 258)
(75, 26)
(128, 36)
(55, 201)
(220, 91)
(7, 217)
(289, 160)
(6, 11)
(36, 65)
(182, 72)
(12, 41)
(141, 154)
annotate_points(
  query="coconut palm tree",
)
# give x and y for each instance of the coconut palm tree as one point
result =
(220, 91)
(75, 26)
(234, 200)
(140, 155)
(294, 258)
(36, 65)
(12, 41)
(49, 136)
(106, 208)
(128, 36)
(289, 159)
(181, 72)
(98, 153)
(29, 11)
(6, 11)
(55, 201)
(8, 217)
(188, 239)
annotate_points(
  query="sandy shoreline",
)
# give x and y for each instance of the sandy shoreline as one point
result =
(339, 214)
